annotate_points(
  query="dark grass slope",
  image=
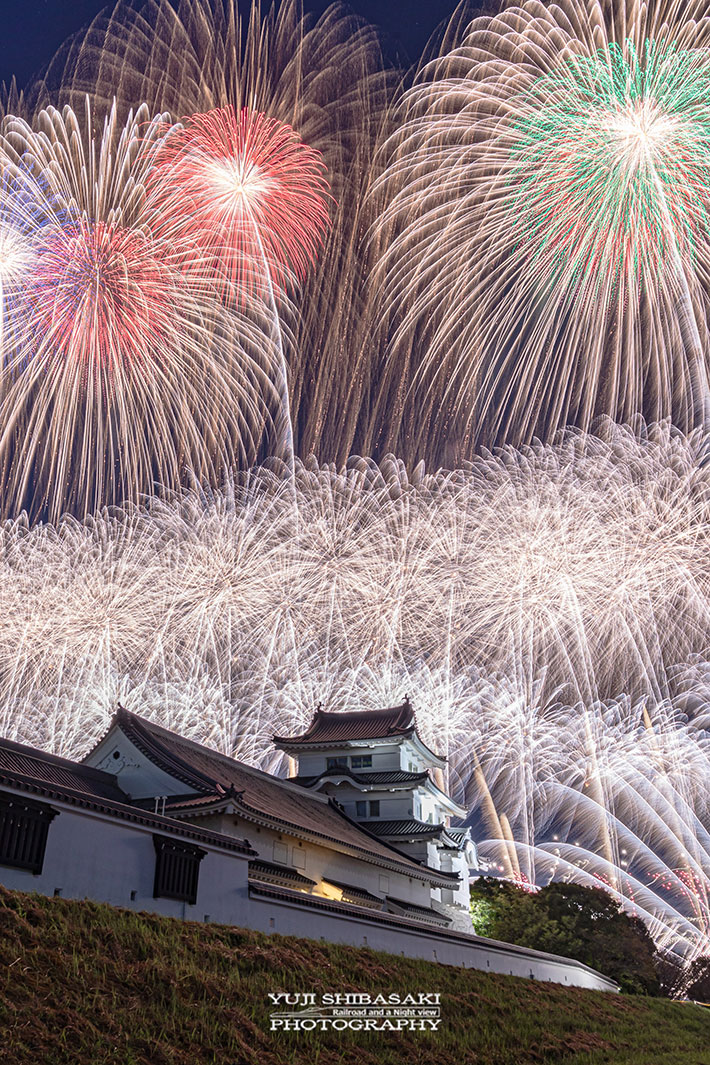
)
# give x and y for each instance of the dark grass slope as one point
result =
(86, 984)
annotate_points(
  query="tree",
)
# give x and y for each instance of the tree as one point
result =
(571, 920)
(698, 980)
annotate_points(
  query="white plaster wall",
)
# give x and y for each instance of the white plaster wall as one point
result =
(431, 811)
(284, 918)
(322, 863)
(311, 763)
(385, 756)
(408, 755)
(456, 863)
(137, 776)
(388, 756)
(93, 856)
(394, 806)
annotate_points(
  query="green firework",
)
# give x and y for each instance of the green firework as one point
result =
(610, 162)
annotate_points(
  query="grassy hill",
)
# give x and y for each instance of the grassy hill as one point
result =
(86, 984)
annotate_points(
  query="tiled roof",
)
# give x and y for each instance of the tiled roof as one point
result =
(378, 917)
(261, 795)
(17, 759)
(384, 777)
(184, 802)
(458, 835)
(405, 829)
(401, 913)
(58, 779)
(259, 868)
(425, 912)
(354, 725)
(416, 916)
(356, 892)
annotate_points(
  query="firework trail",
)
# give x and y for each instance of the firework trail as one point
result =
(224, 619)
(250, 197)
(536, 214)
(547, 193)
(587, 559)
(124, 370)
(19, 225)
(610, 794)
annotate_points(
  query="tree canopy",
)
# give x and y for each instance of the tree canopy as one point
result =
(572, 920)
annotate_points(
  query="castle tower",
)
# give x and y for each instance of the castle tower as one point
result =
(376, 766)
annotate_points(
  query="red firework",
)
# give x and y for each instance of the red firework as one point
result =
(242, 195)
(101, 297)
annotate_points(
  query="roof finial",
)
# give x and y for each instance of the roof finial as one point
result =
(406, 700)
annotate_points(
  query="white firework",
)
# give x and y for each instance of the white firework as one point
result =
(546, 611)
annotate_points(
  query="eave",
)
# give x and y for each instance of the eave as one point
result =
(296, 748)
(125, 812)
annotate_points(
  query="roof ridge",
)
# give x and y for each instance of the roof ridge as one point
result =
(366, 776)
(149, 735)
(401, 721)
(127, 810)
(342, 727)
(175, 737)
(146, 741)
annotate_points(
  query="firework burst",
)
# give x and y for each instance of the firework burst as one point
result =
(513, 601)
(246, 192)
(547, 201)
(250, 197)
(527, 248)
(20, 222)
(125, 371)
(201, 61)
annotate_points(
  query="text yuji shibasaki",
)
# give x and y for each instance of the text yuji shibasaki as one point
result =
(353, 998)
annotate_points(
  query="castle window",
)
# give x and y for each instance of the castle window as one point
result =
(361, 809)
(299, 858)
(177, 868)
(375, 808)
(336, 763)
(24, 824)
(361, 761)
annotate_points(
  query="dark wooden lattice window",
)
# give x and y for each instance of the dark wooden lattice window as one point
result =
(361, 761)
(24, 824)
(177, 868)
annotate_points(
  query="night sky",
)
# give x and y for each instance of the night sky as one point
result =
(32, 32)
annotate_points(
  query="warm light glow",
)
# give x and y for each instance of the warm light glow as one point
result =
(229, 616)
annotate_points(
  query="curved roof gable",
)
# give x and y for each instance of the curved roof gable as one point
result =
(355, 725)
(330, 729)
